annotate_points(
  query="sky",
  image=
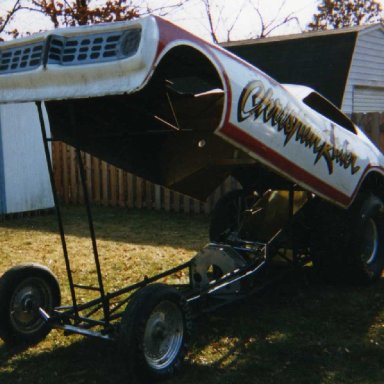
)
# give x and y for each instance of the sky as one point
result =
(244, 16)
(240, 14)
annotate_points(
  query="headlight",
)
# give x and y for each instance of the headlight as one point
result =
(130, 41)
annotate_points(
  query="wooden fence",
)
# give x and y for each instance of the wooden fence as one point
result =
(373, 126)
(110, 186)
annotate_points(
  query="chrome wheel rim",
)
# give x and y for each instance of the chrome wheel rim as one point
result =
(28, 297)
(163, 335)
(371, 242)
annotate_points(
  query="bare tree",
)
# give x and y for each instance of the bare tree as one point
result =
(267, 27)
(83, 12)
(7, 18)
(218, 19)
(221, 21)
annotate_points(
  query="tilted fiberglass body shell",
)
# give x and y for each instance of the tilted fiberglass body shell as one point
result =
(159, 102)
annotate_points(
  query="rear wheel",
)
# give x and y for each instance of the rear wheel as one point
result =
(228, 213)
(348, 245)
(23, 290)
(155, 331)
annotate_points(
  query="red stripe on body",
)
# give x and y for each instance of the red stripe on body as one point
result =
(286, 166)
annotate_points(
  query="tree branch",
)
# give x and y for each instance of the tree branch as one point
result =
(4, 22)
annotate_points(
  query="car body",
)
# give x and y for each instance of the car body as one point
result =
(162, 103)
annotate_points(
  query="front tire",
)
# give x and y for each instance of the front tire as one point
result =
(23, 290)
(156, 329)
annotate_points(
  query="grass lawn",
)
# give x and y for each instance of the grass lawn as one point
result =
(299, 331)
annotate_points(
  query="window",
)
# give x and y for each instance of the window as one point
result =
(327, 109)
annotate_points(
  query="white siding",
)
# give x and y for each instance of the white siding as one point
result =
(368, 99)
(26, 179)
(367, 70)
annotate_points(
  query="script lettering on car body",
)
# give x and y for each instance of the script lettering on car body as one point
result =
(256, 101)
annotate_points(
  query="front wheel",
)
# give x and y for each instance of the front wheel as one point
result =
(155, 331)
(23, 290)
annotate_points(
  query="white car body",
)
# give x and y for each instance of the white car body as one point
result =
(266, 120)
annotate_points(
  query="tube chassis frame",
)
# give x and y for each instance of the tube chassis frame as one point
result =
(70, 319)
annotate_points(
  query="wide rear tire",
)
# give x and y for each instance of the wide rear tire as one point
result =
(228, 214)
(349, 245)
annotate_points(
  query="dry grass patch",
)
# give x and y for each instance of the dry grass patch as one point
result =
(298, 332)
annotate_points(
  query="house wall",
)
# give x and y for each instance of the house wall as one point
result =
(2, 181)
(364, 91)
(24, 179)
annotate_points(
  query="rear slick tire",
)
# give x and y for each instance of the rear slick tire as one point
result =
(228, 214)
(348, 246)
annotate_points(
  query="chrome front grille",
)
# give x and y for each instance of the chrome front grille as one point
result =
(22, 58)
(79, 50)
(74, 50)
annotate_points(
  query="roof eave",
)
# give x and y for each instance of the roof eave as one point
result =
(361, 29)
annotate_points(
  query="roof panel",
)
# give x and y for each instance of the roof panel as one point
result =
(320, 61)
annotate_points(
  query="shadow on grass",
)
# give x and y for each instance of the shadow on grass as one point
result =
(297, 334)
(291, 334)
(123, 225)
(85, 361)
